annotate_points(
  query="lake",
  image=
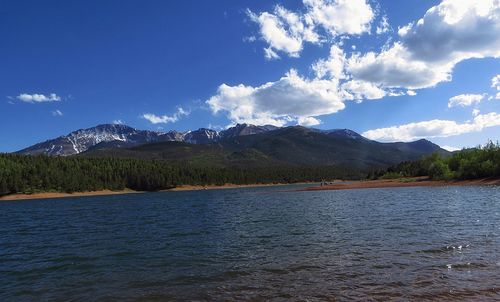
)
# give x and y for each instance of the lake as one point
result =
(254, 244)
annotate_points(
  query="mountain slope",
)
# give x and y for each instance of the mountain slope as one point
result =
(297, 146)
(303, 146)
(242, 145)
(245, 129)
(122, 136)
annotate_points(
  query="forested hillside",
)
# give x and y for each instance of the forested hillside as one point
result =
(28, 174)
(474, 163)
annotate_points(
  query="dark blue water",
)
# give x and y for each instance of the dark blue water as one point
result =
(254, 244)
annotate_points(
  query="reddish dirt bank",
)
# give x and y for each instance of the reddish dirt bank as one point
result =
(46, 195)
(49, 195)
(399, 183)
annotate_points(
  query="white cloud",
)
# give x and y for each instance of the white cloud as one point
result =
(495, 83)
(308, 121)
(464, 100)
(475, 112)
(333, 66)
(287, 31)
(395, 92)
(383, 26)
(359, 90)
(38, 98)
(428, 49)
(411, 93)
(118, 122)
(394, 68)
(270, 54)
(340, 17)
(165, 119)
(291, 98)
(433, 128)
(451, 148)
(456, 30)
(284, 31)
(57, 112)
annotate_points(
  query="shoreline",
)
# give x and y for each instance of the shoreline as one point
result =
(340, 185)
(226, 186)
(402, 183)
(51, 195)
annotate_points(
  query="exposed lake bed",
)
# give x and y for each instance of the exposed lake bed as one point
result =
(402, 183)
(419, 243)
(310, 186)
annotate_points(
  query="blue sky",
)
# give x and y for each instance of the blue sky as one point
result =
(366, 65)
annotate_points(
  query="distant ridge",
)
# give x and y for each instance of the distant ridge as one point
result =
(242, 145)
(122, 136)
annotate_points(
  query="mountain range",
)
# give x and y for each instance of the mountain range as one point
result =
(121, 136)
(243, 145)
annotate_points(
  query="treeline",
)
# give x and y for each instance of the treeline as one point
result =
(29, 174)
(481, 162)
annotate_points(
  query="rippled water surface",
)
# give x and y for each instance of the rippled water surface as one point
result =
(255, 244)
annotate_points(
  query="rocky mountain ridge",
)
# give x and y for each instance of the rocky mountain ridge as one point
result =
(120, 136)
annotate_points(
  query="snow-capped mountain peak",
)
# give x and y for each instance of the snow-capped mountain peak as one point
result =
(117, 135)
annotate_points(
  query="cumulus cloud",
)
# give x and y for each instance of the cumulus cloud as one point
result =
(57, 112)
(428, 49)
(284, 31)
(359, 90)
(340, 17)
(308, 121)
(294, 98)
(433, 128)
(456, 30)
(333, 66)
(287, 31)
(165, 119)
(394, 68)
(38, 98)
(464, 100)
(291, 98)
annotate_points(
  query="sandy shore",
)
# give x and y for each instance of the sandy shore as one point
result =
(226, 186)
(48, 195)
(51, 195)
(400, 183)
(340, 185)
